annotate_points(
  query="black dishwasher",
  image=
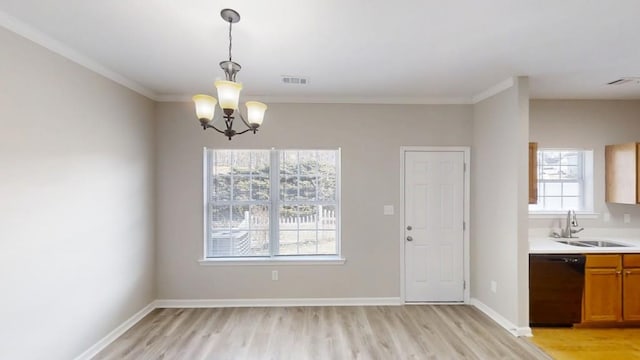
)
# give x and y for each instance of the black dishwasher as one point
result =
(556, 283)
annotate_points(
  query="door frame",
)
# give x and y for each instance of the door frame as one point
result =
(466, 150)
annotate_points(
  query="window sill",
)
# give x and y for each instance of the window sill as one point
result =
(298, 260)
(562, 215)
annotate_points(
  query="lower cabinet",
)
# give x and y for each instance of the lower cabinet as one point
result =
(612, 288)
(602, 288)
(631, 287)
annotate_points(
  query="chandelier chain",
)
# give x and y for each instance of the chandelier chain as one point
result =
(230, 23)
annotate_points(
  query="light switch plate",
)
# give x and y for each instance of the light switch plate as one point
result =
(388, 210)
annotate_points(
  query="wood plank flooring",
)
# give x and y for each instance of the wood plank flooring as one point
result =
(589, 344)
(355, 332)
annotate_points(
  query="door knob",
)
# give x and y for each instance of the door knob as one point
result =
(409, 238)
(409, 227)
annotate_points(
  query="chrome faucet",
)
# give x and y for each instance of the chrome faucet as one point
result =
(572, 221)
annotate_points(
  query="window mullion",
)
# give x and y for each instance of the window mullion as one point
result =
(317, 197)
(562, 182)
(274, 218)
(581, 181)
(337, 200)
(297, 199)
(210, 160)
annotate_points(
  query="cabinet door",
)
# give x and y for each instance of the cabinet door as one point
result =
(620, 173)
(602, 295)
(533, 173)
(631, 294)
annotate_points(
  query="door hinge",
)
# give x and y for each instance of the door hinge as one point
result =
(464, 167)
(464, 285)
(464, 226)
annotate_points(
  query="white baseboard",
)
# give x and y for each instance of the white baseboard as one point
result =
(501, 320)
(435, 303)
(116, 333)
(216, 303)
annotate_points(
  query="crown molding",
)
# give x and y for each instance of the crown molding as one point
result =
(335, 100)
(18, 27)
(493, 90)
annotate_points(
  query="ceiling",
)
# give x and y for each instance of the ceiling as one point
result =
(369, 51)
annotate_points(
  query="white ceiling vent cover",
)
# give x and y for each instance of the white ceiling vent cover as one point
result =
(294, 80)
(625, 80)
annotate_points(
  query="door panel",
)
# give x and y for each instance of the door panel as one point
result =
(434, 207)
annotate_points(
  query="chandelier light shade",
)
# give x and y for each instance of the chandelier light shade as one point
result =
(255, 112)
(229, 96)
(228, 93)
(205, 106)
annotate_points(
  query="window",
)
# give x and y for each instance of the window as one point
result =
(271, 203)
(565, 181)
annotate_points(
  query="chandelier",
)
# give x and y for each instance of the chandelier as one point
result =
(229, 95)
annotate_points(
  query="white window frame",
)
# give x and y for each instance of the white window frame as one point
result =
(274, 203)
(587, 187)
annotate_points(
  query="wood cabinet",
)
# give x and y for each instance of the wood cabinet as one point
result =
(612, 288)
(631, 287)
(533, 173)
(622, 172)
(602, 288)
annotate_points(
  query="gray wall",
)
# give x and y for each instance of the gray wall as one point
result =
(370, 137)
(588, 124)
(499, 244)
(76, 200)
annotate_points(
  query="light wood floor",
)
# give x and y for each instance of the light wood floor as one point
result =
(589, 344)
(373, 332)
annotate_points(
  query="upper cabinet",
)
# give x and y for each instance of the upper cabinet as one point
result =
(622, 172)
(533, 173)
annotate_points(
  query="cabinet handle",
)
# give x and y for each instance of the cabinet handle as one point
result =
(628, 272)
(618, 272)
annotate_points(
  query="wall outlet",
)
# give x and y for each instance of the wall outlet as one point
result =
(274, 275)
(388, 210)
(494, 286)
(627, 218)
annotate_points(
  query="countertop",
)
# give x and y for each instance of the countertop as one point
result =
(547, 245)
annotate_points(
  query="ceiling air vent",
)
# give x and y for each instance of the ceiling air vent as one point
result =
(294, 80)
(625, 80)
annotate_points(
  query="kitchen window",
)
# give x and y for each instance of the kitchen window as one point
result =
(280, 205)
(565, 181)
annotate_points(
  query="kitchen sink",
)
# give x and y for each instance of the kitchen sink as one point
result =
(573, 243)
(602, 243)
(592, 243)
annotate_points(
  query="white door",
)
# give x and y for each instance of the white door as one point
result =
(433, 226)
